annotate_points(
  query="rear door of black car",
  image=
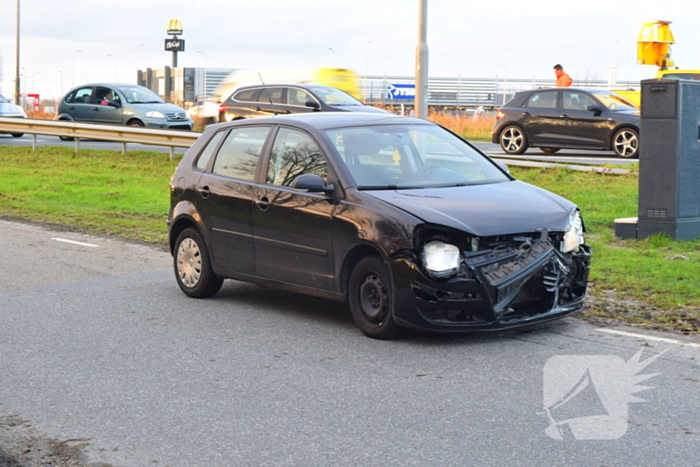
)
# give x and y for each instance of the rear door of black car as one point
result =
(225, 198)
(540, 117)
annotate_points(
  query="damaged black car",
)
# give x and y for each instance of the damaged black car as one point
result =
(402, 219)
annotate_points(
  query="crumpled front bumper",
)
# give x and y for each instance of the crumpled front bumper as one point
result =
(492, 291)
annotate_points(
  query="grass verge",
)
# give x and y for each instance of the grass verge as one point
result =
(651, 283)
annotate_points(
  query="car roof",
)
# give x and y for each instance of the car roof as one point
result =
(296, 85)
(584, 89)
(326, 120)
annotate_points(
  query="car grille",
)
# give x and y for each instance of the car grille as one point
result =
(176, 116)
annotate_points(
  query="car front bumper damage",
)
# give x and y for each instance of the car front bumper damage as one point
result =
(494, 289)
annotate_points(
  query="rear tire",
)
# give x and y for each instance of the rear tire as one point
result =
(625, 143)
(17, 135)
(136, 123)
(193, 265)
(513, 140)
(65, 138)
(549, 150)
(371, 299)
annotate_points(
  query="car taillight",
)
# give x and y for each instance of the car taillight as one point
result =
(222, 107)
(499, 115)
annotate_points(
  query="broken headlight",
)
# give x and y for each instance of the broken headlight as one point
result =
(573, 238)
(441, 259)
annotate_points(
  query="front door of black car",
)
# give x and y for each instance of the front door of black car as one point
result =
(225, 199)
(540, 118)
(293, 229)
(584, 128)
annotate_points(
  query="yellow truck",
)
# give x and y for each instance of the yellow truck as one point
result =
(654, 48)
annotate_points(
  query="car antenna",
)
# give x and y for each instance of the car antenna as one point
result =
(267, 93)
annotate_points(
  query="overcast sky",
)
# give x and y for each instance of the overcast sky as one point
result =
(485, 39)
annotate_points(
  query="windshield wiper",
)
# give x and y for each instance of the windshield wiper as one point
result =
(388, 187)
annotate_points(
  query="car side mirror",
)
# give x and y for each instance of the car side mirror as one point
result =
(503, 167)
(596, 109)
(311, 183)
(312, 104)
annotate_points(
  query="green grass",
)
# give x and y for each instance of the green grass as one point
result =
(653, 282)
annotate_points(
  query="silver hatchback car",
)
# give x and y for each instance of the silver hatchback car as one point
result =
(121, 104)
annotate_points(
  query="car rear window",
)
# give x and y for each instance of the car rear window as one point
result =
(247, 95)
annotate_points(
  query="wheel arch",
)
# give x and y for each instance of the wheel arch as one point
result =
(619, 127)
(178, 227)
(134, 119)
(351, 259)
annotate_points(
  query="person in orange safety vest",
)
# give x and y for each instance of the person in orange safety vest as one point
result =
(563, 78)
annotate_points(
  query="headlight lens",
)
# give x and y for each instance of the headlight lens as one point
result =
(573, 238)
(441, 259)
(155, 114)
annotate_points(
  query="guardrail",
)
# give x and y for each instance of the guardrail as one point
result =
(119, 133)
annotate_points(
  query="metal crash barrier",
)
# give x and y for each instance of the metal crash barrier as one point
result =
(123, 134)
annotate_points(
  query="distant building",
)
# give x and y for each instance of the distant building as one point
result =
(182, 85)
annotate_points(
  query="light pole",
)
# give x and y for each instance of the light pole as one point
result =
(333, 55)
(137, 62)
(60, 91)
(115, 66)
(75, 52)
(364, 92)
(204, 87)
(421, 99)
(17, 83)
(505, 79)
(34, 79)
(24, 74)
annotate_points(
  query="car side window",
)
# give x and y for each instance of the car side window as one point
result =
(576, 101)
(542, 100)
(82, 96)
(268, 95)
(105, 95)
(204, 157)
(294, 153)
(247, 95)
(240, 151)
(298, 97)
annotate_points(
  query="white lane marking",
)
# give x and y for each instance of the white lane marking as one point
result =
(74, 242)
(651, 338)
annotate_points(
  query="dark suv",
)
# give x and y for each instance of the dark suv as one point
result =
(278, 99)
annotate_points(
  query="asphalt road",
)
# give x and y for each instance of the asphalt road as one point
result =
(97, 344)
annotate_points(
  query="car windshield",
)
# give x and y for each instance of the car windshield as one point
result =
(333, 96)
(614, 102)
(140, 95)
(3, 100)
(394, 157)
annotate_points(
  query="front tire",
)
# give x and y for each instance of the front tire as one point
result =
(193, 266)
(17, 135)
(549, 150)
(136, 123)
(371, 299)
(626, 143)
(65, 138)
(513, 140)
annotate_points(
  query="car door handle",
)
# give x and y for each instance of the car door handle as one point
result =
(564, 116)
(95, 109)
(204, 191)
(526, 114)
(263, 203)
(72, 108)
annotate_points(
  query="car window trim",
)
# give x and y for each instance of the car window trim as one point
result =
(263, 153)
(210, 163)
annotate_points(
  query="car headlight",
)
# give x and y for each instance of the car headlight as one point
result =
(154, 114)
(441, 259)
(573, 238)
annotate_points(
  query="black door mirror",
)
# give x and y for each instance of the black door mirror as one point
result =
(312, 104)
(311, 183)
(594, 108)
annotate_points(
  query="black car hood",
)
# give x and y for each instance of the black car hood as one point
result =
(484, 210)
